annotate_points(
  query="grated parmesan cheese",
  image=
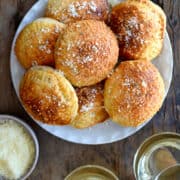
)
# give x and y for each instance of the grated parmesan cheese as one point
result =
(17, 150)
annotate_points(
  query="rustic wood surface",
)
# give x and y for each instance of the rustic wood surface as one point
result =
(58, 157)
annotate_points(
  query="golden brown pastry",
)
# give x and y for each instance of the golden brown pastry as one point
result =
(72, 10)
(140, 27)
(35, 44)
(86, 52)
(134, 93)
(47, 96)
(91, 106)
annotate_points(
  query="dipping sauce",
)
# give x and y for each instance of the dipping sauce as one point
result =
(155, 154)
(17, 150)
(91, 172)
(89, 176)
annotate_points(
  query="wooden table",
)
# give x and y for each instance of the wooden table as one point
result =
(58, 157)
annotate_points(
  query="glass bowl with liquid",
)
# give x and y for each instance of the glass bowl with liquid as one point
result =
(91, 172)
(157, 154)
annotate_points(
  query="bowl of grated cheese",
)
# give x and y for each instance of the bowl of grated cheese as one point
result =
(19, 148)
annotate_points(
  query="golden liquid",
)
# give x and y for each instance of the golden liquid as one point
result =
(90, 176)
(172, 173)
(148, 167)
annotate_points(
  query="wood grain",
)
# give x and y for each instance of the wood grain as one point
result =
(58, 157)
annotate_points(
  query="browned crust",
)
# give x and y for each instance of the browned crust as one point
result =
(47, 96)
(134, 93)
(140, 27)
(86, 52)
(35, 43)
(91, 106)
(74, 10)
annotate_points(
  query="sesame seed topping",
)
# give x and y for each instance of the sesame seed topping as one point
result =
(95, 48)
(78, 25)
(45, 30)
(59, 71)
(56, 30)
(73, 11)
(81, 6)
(94, 91)
(87, 59)
(34, 63)
(48, 97)
(133, 22)
(69, 47)
(87, 107)
(45, 48)
(71, 65)
(144, 84)
(127, 82)
(93, 6)
(75, 7)
(59, 103)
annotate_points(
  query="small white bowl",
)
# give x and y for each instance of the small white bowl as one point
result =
(32, 135)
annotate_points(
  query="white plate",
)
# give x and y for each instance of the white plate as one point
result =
(108, 131)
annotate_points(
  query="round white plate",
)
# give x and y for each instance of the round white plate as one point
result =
(108, 131)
